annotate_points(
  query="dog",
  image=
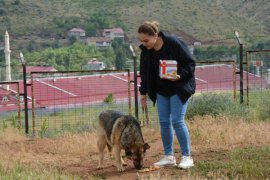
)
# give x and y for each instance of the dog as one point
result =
(118, 132)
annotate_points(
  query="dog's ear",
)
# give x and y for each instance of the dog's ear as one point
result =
(146, 146)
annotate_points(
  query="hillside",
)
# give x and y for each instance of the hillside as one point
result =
(257, 10)
(202, 20)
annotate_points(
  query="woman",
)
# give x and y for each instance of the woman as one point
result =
(171, 95)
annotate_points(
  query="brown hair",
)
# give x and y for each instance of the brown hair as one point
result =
(150, 28)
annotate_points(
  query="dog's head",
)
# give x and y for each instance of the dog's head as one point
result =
(137, 154)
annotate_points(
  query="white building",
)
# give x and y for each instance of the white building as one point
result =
(94, 64)
(99, 42)
(77, 32)
(114, 33)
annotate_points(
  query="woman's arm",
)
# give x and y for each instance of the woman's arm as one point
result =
(143, 74)
(187, 64)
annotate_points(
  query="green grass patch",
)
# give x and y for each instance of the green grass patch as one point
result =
(10, 120)
(247, 163)
(259, 104)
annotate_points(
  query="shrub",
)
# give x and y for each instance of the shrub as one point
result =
(109, 98)
(210, 104)
(44, 127)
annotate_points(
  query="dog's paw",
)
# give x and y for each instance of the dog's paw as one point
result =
(121, 169)
(100, 167)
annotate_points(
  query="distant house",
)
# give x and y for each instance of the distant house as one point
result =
(99, 42)
(30, 69)
(94, 64)
(197, 43)
(77, 32)
(114, 33)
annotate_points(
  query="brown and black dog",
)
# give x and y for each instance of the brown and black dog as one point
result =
(119, 131)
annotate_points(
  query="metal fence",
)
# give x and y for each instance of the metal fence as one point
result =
(258, 71)
(10, 102)
(72, 101)
(217, 76)
(211, 76)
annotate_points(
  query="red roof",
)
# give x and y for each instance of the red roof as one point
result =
(77, 30)
(30, 69)
(99, 39)
(115, 30)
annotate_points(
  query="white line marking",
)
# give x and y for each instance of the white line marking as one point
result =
(119, 78)
(201, 80)
(56, 88)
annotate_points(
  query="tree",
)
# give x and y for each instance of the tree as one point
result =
(260, 45)
(108, 55)
(121, 50)
(120, 59)
(69, 58)
(72, 39)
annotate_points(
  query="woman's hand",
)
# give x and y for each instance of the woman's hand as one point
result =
(143, 101)
(177, 78)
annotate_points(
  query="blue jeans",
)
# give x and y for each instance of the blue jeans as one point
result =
(172, 113)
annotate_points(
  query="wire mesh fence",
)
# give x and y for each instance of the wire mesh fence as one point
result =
(216, 76)
(73, 100)
(258, 67)
(211, 76)
(10, 102)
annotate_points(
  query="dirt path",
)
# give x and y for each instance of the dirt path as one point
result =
(42, 152)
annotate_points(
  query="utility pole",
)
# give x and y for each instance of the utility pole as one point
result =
(25, 92)
(135, 80)
(240, 67)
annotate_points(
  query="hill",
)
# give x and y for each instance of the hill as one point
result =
(197, 20)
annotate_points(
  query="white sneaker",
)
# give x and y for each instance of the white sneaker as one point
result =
(186, 162)
(167, 160)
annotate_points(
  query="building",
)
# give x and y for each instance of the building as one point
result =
(114, 33)
(99, 42)
(197, 43)
(77, 32)
(94, 64)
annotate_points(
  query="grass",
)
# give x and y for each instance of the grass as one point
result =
(247, 163)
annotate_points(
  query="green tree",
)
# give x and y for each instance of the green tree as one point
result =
(72, 39)
(121, 50)
(68, 58)
(108, 57)
(260, 45)
(120, 59)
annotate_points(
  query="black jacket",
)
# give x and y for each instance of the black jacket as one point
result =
(174, 49)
